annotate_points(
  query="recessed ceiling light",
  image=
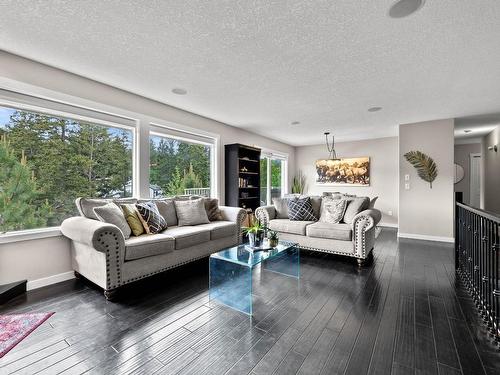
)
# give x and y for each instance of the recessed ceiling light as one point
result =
(295, 123)
(404, 8)
(467, 131)
(179, 91)
(374, 109)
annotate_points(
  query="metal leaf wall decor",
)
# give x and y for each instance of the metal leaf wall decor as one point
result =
(426, 167)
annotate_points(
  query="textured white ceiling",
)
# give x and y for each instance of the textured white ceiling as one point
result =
(260, 64)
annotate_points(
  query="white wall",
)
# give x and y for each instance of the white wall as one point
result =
(462, 157)
(38, 259)
(383, 153)
(424, 212)
(491, 172)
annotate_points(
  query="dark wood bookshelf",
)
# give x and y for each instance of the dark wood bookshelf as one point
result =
(242, 167)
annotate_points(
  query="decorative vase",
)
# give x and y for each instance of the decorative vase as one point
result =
(273, 243)
(256, 239)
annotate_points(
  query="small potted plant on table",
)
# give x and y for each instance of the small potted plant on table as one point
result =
(273, 238)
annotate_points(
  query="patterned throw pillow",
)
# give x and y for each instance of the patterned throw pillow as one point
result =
(300, 209)
(150, 217)
(332, 210)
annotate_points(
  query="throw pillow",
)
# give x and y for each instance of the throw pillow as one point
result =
(355, 206)
(332, 210)
(300, 209)
(132, 217)
(212, 208)
(191, 212)
(166, 207)
(281, 206)
(150, 217)
(112, 214)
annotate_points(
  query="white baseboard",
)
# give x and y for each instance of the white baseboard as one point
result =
(425, 237)
(54, 279)
(387, 225)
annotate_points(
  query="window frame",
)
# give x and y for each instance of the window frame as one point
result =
(23, 102)
(196, 137)
(269, 156)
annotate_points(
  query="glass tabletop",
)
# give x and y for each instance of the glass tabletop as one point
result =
(242, 255)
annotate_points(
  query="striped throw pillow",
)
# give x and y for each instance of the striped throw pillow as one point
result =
(151, 218)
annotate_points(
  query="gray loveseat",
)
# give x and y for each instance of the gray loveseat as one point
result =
(102, 255)
(354, 236)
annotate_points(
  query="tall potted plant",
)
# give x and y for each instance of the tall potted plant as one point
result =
(299, 183)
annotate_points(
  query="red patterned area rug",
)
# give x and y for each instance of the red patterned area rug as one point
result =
(16, 327)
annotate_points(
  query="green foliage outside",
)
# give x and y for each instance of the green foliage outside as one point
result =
(176, 166)
(19, 192)
(64, 159)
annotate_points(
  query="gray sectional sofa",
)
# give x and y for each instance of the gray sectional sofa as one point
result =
(102, 255)
(354, 236)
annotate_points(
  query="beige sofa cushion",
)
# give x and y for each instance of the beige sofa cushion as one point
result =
(86, 206)
(166, 208)
(340, 231)
(148, 245)
(187, 236)
(281, 206)
(288, 226)
(220, 229)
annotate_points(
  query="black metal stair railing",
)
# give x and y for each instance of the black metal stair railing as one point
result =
(477, 245)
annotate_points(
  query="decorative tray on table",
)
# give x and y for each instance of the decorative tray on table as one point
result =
(258, 248)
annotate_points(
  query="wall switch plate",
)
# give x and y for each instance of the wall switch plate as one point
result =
(389, 213)
(407, 186)
(407, 177)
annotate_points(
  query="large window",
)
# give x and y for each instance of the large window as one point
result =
(272, 177)
(179, 166)
(46, 162)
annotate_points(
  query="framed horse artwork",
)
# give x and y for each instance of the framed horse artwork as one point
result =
(347, 171)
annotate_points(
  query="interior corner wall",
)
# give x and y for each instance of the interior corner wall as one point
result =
(462, 158)
(491, 172)
(427, 213)
(383, 153)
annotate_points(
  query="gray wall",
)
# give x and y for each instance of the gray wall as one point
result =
(462, 153)
(491, 172)
(424, 212)
(42, 258)
(383, 153)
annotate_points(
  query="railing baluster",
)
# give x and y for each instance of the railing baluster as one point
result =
(477, 261)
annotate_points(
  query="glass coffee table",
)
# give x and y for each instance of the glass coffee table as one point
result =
(231, 272)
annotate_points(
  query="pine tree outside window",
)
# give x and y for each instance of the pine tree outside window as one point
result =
(179, 167)
(48, 161)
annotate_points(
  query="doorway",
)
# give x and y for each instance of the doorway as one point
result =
(475, 180)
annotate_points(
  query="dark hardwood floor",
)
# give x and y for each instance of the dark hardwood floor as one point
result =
(404, 314)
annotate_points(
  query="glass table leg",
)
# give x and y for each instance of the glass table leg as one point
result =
(231, 284)
(287, 263)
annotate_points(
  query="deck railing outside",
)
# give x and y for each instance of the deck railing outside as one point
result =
(203, 192)
(477, 245)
